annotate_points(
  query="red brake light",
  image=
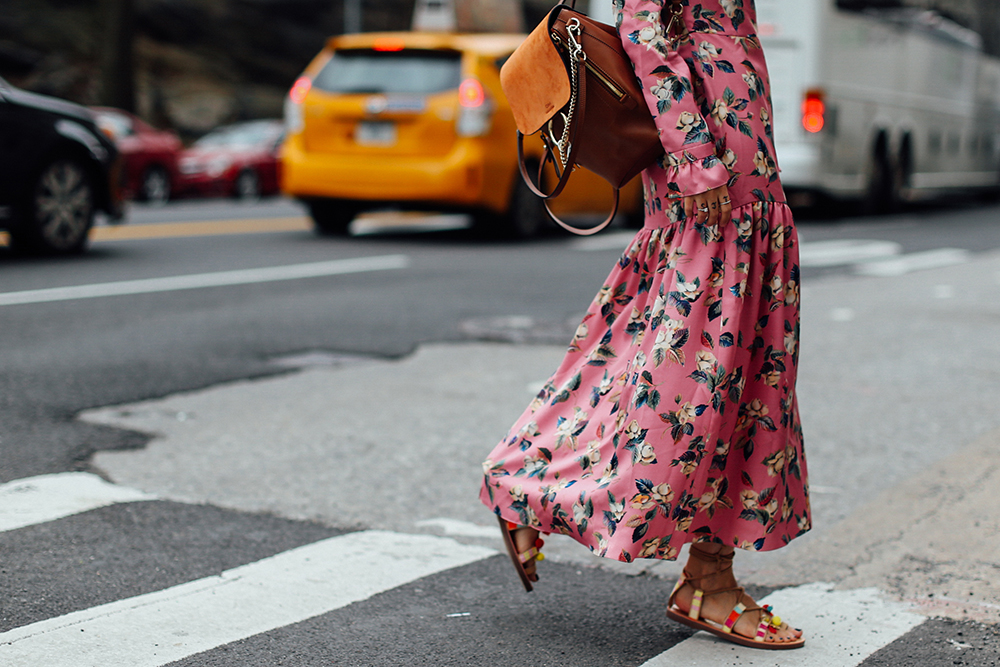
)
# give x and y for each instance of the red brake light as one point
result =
(300, 89)
(813, 111)
(471, 93)
(388, 44)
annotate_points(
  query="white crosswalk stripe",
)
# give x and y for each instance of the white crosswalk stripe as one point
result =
(845, 627)
(26, 502)
(157, 628)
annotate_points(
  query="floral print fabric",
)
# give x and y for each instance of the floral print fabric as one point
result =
(673, 416)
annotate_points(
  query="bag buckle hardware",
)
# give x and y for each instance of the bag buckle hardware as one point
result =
(676, 28)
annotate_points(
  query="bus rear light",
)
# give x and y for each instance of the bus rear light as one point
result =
(813, 111)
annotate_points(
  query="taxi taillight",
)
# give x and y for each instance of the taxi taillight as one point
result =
(471, 94)
(475, 113)
(300, 89)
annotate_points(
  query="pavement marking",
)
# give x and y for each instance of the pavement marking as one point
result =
(391, 222)
(158, 628)
(459, 528)
(607, 241)
(200, 228)
(916, 261)
(842, 629)
(845, 251)
(33, 500)
(201, 280)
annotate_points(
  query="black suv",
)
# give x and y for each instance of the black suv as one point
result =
(57, 169)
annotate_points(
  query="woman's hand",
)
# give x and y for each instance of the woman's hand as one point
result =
(712, 206)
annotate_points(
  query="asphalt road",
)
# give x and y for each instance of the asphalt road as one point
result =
(873, 282)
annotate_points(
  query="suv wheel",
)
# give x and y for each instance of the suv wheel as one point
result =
(155, 187)
(60, 212)
(332, 217)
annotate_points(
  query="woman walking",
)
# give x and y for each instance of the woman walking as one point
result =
(673, 417)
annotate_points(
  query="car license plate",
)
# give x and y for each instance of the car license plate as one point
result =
(375, 133)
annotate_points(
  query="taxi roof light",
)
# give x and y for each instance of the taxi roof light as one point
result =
(388, 44)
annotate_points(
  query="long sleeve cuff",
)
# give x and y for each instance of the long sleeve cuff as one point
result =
(693, 171)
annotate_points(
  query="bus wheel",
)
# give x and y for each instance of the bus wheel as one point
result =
(882, 193)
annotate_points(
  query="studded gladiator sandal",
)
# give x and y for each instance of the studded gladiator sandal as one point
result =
(769, 622)
(520, 559)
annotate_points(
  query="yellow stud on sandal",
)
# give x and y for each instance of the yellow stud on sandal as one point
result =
(769, 622)
(519, 559)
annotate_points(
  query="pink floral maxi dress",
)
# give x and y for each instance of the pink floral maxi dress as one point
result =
(673, 416)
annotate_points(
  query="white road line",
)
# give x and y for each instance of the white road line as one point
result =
(842, 629)
(200, 280)
(607, 241)
(916, 261)
(158, 628)
(845, 251)
(32, 500)
(388, 222)
(459, 528)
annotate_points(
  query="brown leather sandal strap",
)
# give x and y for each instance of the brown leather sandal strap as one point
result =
(722, 562)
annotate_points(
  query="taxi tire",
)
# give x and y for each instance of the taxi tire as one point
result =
(332, 217)
(526, 216)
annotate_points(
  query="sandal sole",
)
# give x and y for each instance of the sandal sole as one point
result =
(508, 541)
(680, 617)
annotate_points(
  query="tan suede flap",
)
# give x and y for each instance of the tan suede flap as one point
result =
(535, 81)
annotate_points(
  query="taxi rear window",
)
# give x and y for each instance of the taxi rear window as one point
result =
(409, 71)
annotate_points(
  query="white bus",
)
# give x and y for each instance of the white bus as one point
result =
(880, 105)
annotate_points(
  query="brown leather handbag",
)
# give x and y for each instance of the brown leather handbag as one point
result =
(572, 80)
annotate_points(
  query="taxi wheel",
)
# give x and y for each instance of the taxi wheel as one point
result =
(332, 217)
(526, 216)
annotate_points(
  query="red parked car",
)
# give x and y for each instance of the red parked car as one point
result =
(150, 155)
(239, 160)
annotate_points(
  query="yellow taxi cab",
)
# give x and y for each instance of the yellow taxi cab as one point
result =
(418, 121)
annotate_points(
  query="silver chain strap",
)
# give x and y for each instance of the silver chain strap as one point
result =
(576, 56)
